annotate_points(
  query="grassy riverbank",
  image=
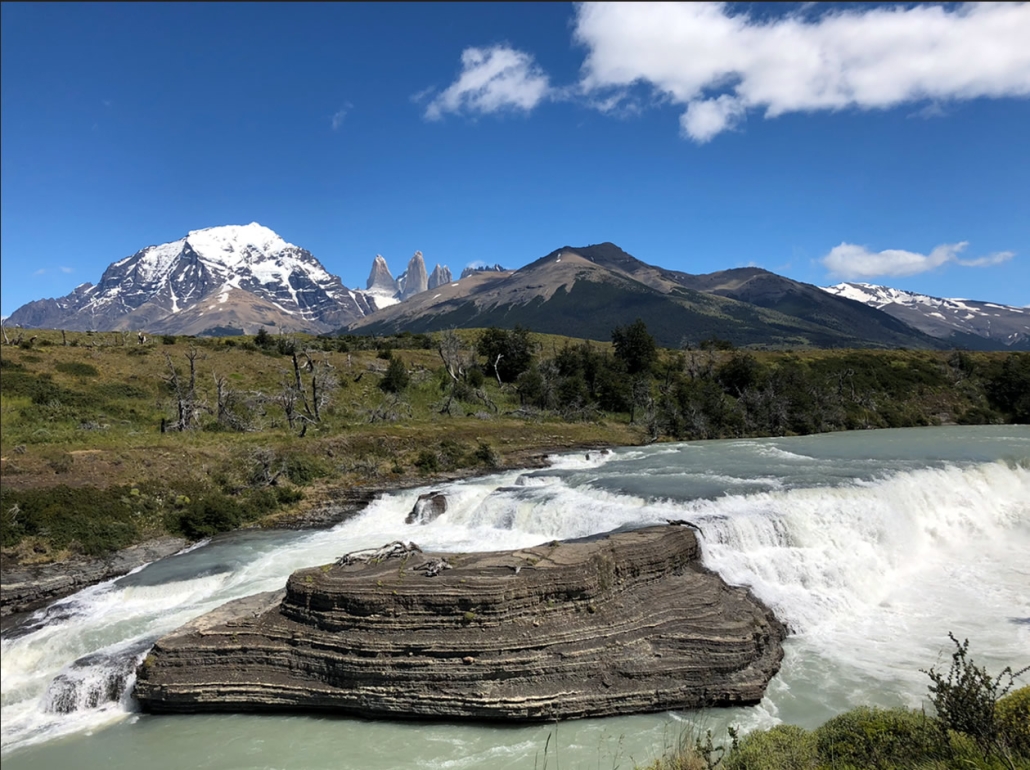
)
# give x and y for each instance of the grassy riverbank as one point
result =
(107, 442)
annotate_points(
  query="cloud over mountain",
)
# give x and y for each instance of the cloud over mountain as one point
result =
(851, 261)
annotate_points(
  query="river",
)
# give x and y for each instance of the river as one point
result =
(871, 546)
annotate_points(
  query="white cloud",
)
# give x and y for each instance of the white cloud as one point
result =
(991, 259)
(340, 115)
(492, 79)
(67, 269)
(852, 262)
(720, 65)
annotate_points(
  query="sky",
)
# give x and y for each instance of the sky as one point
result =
(881, 143)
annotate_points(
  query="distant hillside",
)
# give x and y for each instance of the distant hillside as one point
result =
(586, 291)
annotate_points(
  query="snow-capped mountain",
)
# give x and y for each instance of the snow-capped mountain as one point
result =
(961, 320)
(235, 277)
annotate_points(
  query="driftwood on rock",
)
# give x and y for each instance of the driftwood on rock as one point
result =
(376, 555)
(615, 624)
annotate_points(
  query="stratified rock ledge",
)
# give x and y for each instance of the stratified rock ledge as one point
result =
(622, 623)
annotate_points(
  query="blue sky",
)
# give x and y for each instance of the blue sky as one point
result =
(821, 142)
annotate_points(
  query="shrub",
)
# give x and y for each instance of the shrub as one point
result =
(878, 738)
(427, 461)
(167, 339)
(77, 369)
(208, 516)
(1012, 715)
(966, 699)
(303, 469)
(785, 747)
(485, 455)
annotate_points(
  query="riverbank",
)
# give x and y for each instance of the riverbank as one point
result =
(25, 588)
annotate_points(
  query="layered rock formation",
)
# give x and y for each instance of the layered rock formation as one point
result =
(620, 623)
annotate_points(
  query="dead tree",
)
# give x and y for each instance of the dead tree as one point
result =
(302, 402)
(456, 356)
(187, 407)
(232, 406)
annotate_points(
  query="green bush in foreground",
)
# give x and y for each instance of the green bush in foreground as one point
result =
(977, 724)
(785, 746)
(1012, 715)
(879, 738)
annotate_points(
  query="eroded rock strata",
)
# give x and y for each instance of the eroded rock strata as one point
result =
(621, 623)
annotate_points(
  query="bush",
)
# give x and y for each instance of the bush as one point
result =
(427, 462)
(785, 747)
(879, 738)
(207, 516)
(966, 699)
(1012, 715)
(485, 455)
(303, 469)
(77, 369)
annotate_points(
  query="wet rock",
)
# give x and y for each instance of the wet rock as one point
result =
(24, 589)
(427, 507)
(614, 624)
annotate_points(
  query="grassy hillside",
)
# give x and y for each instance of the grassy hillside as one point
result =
(107, 442)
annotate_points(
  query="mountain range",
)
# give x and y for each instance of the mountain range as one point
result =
(962, 322)
(240, 278)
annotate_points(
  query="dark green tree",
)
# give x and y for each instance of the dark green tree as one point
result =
(635, 347)
(508, 353)
(264, 340)
(396, 378)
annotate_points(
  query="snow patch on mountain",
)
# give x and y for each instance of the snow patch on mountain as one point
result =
(943, 317)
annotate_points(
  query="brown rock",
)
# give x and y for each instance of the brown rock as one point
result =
(616, 624)
(427, 507)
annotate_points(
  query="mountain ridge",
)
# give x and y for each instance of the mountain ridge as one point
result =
(586, 291)
(966, 322)
(232, 276)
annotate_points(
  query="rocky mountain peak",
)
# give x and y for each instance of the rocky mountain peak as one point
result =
(415, 279)
(441, 276)
(473, 269)
(381, 279)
